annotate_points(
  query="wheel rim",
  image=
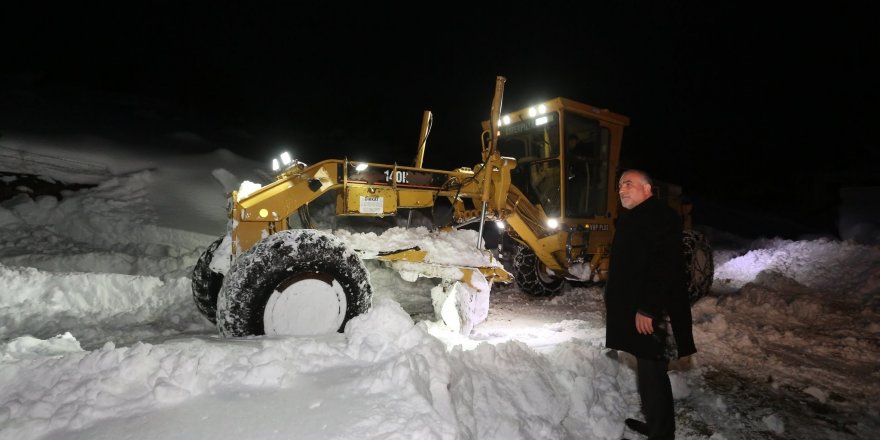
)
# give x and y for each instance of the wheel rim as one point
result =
(308, 304)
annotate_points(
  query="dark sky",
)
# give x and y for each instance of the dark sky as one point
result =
(741, 104)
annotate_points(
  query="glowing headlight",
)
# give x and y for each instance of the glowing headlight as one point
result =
(500, 224)
(275, 166)
(285, 158)
(506, 119)
(552, 223)
(542, 109)
(360, 167)
(532, 112)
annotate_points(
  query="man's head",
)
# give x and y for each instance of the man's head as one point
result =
(572, 141)
(634, 188)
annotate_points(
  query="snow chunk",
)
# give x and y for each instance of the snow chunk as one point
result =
(385, 330)
(247, 188)
(774, 423)
(820, 395)
(680, 387)
(26, 346)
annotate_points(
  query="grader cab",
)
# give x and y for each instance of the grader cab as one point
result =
(567, 168)
(548, 175)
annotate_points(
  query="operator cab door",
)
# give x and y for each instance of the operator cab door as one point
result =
(571, 181)
(586, 167)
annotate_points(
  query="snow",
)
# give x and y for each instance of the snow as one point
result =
(100, 339)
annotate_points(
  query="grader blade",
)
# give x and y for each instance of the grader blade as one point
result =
(410, 264)
(461, 297)
(413, 253)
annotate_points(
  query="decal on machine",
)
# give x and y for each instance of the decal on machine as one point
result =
(399, 176)
(386, 176)
(371, 205)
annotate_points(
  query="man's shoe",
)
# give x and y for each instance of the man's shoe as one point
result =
(637, 426)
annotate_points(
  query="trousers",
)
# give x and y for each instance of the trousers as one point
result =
(655, 392)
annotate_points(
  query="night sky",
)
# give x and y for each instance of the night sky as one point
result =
(750, 109)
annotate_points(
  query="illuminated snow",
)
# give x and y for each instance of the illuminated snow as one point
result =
(99, 337)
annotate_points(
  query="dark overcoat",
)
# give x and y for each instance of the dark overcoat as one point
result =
(647, 274)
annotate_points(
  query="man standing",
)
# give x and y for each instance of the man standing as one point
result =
(648, 313)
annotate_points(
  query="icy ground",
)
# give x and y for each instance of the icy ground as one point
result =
(99, 338)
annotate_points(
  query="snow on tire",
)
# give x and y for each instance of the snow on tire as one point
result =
(294, 282)
(699, 265)
(531, 275)
(206, 282)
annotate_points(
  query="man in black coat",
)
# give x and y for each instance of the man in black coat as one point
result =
(648, 313)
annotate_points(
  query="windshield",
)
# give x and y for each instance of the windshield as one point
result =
(535, 145)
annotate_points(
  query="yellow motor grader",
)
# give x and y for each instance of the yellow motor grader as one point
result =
(547, 176)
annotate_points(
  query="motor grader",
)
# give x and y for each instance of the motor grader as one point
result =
(547, 176)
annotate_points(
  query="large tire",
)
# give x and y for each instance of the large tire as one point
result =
(699, 265)
(294, 282)
(531, 275)
(206, 283)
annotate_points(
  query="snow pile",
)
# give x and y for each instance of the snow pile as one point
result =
(808, 307)
(821, 265)
(386, 374)
(112, 226)
(96, 307)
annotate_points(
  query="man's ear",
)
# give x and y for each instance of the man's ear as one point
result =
(650, 188)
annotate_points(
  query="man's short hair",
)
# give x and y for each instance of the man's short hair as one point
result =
(645, 176)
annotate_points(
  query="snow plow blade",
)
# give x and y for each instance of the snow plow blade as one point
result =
(461, 299)
(410, 263)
